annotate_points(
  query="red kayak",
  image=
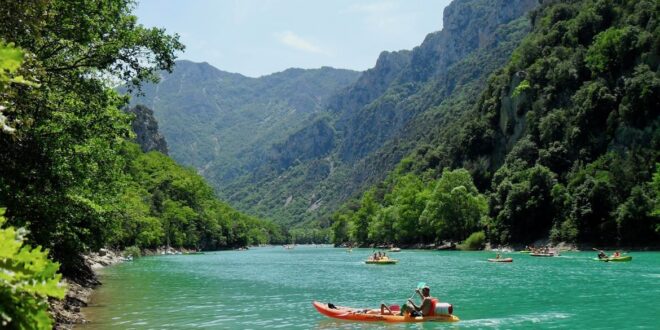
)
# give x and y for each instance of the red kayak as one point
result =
(374, 315)
(501, 260)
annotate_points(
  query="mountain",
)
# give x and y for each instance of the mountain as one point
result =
(222, 123)
(562, 143)
(390, 109)
(294, 145)
(146, 130)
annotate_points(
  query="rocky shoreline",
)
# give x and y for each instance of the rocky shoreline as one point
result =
(67, 312)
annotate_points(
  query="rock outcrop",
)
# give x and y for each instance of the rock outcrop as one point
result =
(145, 127)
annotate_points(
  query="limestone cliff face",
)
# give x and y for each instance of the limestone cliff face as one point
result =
(467, 25)
(396, 87)
(145, 127)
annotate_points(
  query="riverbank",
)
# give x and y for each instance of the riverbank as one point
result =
(67, 312)
(561, 246)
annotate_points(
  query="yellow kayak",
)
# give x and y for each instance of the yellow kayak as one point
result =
(615, 259)
(386, 261)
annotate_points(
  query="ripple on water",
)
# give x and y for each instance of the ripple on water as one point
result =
(533, 318)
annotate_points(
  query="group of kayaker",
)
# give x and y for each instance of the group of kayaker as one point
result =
(603, 255)
(379, 256)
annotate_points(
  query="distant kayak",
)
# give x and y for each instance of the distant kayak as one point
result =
(395, 249)
(501, 260)
(615, 259)
(386, 261)
(374, 315)
(525, 251)
(543, 254)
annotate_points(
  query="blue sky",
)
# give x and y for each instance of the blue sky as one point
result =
(259, 37)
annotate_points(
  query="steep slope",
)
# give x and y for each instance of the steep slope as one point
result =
(390, 109)
(564, 140)
(292, 147)
(220, 122)
(145, 126)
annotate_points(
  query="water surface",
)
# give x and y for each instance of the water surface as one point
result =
(271, 288)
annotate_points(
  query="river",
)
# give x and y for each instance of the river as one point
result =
(271, 288)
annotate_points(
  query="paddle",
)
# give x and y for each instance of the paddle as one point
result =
(420, 285)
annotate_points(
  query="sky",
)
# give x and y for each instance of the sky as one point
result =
(260, 37)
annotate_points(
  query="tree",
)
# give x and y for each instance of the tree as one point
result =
(362, 218)
(455, 208)
(61, 171)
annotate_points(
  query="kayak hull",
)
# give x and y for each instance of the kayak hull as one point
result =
(616, 259)
(374, 315)
(501, 260)
(381, 262)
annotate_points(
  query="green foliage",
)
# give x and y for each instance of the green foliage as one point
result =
(523, 86)
(164, 203)
(61, 180)
(132, 251)
(655, 185)
(414, 209)
(474, 242)
(67, 173)
(455, 209)
(27, 279)
(564, 138)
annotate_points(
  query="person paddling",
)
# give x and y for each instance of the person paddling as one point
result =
(601, 254)
(425, 308)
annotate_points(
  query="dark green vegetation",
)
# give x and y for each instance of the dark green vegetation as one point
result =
(300, 171)
(67, 173)
(163, 203)
(564, 140)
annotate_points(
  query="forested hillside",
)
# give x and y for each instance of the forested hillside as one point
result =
(70, 182)
(224, 123)
(301, 171)
(563, 143)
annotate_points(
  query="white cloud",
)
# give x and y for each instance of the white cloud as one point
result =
(295, 41)
(372, 8)
(385, 18)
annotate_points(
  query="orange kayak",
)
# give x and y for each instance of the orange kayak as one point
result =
(374, 315)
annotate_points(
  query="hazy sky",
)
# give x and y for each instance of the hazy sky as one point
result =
(258, 37)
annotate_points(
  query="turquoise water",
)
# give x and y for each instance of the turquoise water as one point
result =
(272, 288)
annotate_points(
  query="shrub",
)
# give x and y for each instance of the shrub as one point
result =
(132, 251)
(27, 279)
(474, 242)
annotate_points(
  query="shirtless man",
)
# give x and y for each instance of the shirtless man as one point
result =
(424, 308)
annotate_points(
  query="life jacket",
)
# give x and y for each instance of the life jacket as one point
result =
(434, 302)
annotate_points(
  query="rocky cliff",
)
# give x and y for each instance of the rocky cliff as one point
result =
(145, 127)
